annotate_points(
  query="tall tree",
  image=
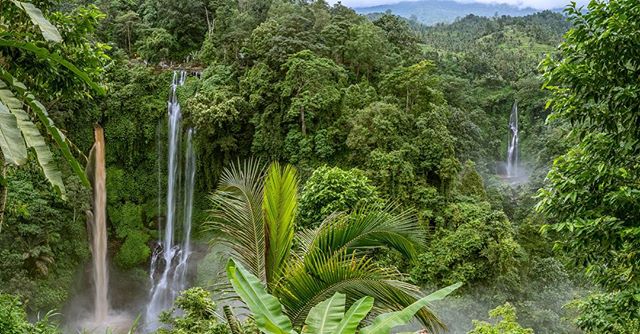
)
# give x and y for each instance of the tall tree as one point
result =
(592, 196)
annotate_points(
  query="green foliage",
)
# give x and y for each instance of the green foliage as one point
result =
(193, 313)
(333, 258)
(326, 317)
(330, 190)
(506, 325)
(615, 313)
(470, 182)
(13, 318)
(592, 192)
(47, 238)
(478, 245)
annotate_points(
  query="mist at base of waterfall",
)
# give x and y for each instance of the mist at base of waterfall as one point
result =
(115, 323)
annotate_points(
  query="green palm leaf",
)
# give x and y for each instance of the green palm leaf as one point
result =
(237, 217)
(280, 205)
(356, 313)
(368, 228)
(325, 317)
(319, 276)
(265, 308)
(49, 32)
(384, 323)
(11, 142)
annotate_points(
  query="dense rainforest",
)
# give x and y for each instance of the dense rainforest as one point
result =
(285, 166)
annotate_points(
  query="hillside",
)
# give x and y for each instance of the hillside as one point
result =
(444, 11)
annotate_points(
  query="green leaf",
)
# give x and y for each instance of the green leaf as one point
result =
(279, 209)
(385, 322)
(41, 113)
(266, 308)
(11, 142)
(33, 139)
(356, 313)
(49, 32)
(45, 54)
(325, 317)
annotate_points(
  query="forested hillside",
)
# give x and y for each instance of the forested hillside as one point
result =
(342, 163)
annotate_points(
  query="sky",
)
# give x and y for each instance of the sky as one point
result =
(538, 4)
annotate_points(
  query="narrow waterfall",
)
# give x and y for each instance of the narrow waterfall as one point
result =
(169, 262)
(99, 230)
(512, 148)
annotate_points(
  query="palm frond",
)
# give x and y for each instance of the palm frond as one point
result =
(236, 215)
(309, 282)
(368, 228)
(279, 207)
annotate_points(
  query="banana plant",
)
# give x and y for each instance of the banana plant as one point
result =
(22, 115)
(328, 316)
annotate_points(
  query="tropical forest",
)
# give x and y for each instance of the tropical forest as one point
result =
(318, 167)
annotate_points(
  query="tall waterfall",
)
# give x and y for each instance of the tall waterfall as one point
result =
(99, 230)
(169, 262)
(512, 148)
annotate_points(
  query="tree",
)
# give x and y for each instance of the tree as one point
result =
(507, 325)
(332, 190)
(313, 84)
(592, 194)
(254, 212)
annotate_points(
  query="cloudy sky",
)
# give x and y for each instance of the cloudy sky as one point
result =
(539, 4)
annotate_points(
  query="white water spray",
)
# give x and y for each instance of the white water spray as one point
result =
(169, 262)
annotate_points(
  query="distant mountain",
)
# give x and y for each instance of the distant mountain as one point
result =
(431, 12)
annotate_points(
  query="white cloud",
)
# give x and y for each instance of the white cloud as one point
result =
(538, 4)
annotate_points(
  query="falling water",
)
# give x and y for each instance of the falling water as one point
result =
(99, 230)
(512, 149)
(170, 260)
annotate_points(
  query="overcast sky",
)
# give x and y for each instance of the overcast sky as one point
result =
(539, 4)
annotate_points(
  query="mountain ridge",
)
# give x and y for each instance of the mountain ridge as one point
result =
(431, 12)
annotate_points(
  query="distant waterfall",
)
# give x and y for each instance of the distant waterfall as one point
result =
(99, 230)
(169, 262)
(512, 148)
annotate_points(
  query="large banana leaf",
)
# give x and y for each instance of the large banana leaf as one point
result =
(45, 54)
(266, 308)
(325, 317)
(41, 113)
(384, 323)
(49, 32)
(279, 207)
(356, 313)
(11, 142)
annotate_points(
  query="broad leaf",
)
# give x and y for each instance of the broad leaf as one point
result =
(356, 313)
(41, 113)
(384, 323)
(49, 32)
(325, 317)
(11, 142)
(266, 308)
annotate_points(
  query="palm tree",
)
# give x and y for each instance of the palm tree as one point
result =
(254, 213)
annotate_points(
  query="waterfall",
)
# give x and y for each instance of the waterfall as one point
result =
(99, 230)
(169, 262)
(512, 147)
